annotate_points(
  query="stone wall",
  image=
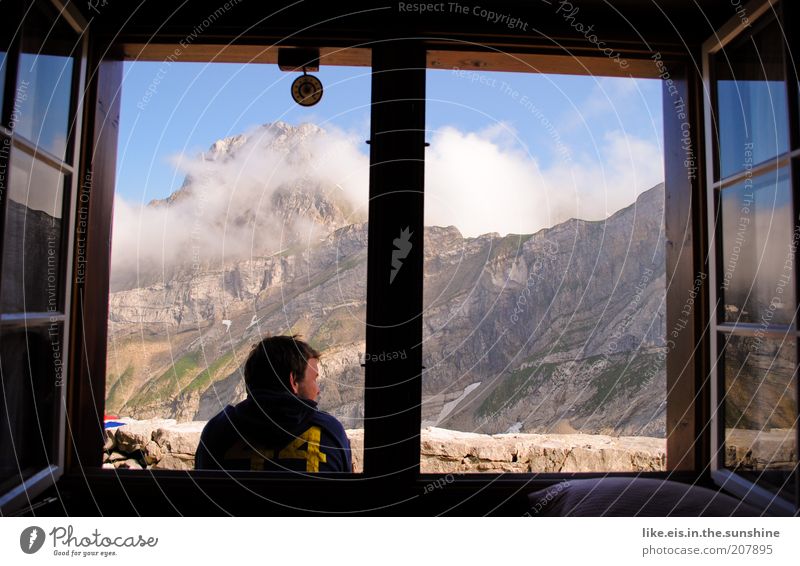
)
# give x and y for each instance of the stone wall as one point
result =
(166, 444)
(446, 451)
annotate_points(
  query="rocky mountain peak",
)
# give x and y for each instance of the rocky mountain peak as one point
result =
(279, 137)
(276, 136)
(275, 187)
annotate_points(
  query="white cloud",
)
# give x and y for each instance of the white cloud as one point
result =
(478, 183)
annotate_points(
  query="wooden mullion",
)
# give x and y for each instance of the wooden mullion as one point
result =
(393, 390)
(92, 259)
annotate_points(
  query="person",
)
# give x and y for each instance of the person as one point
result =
(278, 426)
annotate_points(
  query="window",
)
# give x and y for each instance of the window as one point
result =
(544, 275)
(239, 214)
(38, 164)
(393, 390)
(754, 305)
(163, 363)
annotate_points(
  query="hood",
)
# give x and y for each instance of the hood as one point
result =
(273, 419)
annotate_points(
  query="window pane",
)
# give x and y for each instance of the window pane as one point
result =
(5, 155)
(44, 84)
(3, 64)
(32, 242)
(760, 409)
(751, 100)
(263, 233)
(31, 364)
(757, 279)
(544, 275)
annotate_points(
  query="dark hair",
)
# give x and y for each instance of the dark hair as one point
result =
(273, 359)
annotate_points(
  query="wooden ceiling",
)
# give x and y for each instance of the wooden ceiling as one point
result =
(546, 36)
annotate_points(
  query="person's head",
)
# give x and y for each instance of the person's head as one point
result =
(283, 363)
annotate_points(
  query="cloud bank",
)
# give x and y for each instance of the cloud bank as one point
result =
(250, 195)
(482, 182)
(271, 188)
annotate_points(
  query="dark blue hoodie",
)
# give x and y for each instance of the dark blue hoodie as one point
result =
(274, 431)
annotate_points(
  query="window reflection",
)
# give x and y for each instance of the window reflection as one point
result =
(3, 57)
(32, 242)
(758, 247)
(761, 406)
(43, 94)
(751, 101)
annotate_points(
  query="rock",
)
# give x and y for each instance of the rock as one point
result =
(441, 443)
(493, 449)
(588, 459)
(447, 451)
(547, 459)
(431, 465)
(356, 437)
(129, 464)
(759, 449)
(499, 467)
(117, 457)
(110, 441)
(135, 435)
(108, 466)
(152, 453)
(175, 462)
(180, 438)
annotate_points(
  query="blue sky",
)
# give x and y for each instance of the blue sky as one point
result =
(597, 139)
(195, 104)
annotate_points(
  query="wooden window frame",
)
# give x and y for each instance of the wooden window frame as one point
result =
(33, 486)
(386, 482)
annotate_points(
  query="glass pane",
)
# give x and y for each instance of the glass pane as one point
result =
(757, 270)
(3, 57)
(31, 366)
(751, 100)
(262, 231)
(32, 244)
(544, 275)
(760, 408)
(44, 83)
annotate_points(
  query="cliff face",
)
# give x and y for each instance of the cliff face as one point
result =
(176, 347)
(559, 331)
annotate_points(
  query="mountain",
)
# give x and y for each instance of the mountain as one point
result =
(248, 196)
(558, 331)
(561, 331)
(32, 287)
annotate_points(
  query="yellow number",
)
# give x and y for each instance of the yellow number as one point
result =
(312, 454)
(256, 454)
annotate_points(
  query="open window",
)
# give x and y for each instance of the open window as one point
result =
(544, 320)
(180, 322)
(752, 150)
(239, 214)
(41, 78)
(165, 337)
